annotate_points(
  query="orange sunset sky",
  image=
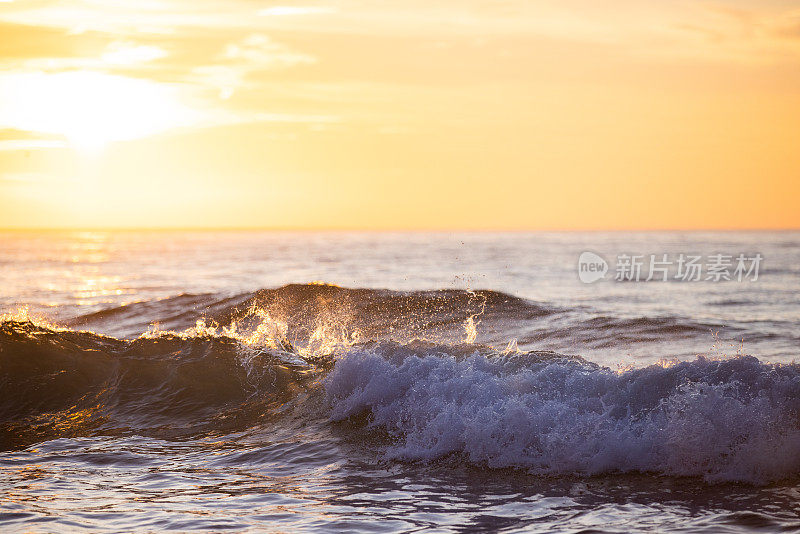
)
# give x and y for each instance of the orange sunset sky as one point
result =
(563, 114)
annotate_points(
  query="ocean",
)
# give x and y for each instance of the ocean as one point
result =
(399, 382)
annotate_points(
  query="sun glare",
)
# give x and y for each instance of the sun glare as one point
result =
(91, 109)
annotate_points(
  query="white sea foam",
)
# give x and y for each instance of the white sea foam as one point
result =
(724, 420)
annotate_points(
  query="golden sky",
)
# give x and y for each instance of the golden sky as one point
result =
(554, 114)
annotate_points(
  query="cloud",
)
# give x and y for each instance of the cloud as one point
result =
(127, 53)
(28, 178)
(239, 59)
(279, 11)
(31, 144)
(221, 78)
(23, 41)
(231, 65)
(117, 55)
(219, 60)
(262, 52)
(12, 139)
(658, 29)
(296, 117)
(89, 109)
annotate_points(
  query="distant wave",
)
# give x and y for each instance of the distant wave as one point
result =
(599, 331)
(173, 313)
(374, 313)
(434, 315)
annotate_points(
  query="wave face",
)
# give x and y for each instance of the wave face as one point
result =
(723, 420)
(402, 374)
(64, 384)
(305, 312)
(303, 309)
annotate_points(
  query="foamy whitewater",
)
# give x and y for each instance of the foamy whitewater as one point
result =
(463, 382)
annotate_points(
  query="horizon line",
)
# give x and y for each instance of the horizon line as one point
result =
(361, 229)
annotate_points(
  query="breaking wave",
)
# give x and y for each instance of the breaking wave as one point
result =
(61, 383)
(444, 315)
(402, 375)
(725, 420)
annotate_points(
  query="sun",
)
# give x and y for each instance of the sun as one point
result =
(92, 109)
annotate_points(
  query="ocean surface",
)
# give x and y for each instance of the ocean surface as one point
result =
(398, 382)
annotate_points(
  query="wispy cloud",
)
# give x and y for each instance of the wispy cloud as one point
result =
(31, 144)
(86, 108)
(127, 53)
(262, 52)
(281, 11)
(31, 178)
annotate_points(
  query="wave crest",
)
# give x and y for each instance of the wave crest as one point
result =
(245, 360)
(731, 420)
(67, 383)
(305, 308)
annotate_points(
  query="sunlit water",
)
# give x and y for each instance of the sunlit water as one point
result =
(438, 386)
